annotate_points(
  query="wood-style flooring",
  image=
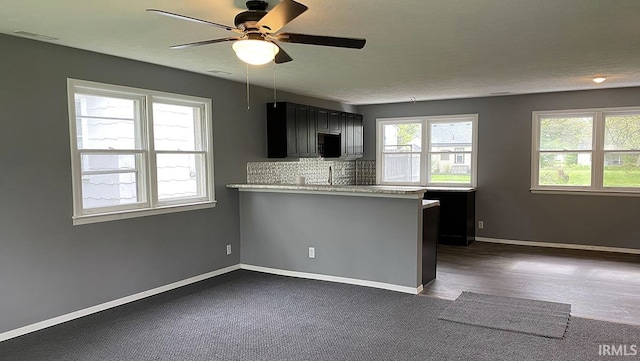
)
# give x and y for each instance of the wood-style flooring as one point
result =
(598, 285)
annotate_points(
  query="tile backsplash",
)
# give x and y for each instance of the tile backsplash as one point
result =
(315, 171)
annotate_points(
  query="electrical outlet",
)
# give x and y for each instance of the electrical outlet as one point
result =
(228, 249)
(481, 224)
(312, 252)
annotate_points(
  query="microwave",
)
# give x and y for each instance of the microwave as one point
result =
(329, 145)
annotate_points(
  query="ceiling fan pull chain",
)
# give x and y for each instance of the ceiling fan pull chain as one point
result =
(274, 83)
(248, 104)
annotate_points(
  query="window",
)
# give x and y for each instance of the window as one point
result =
(459, 156)
(137, 152)
(592, 150)
(417, 150)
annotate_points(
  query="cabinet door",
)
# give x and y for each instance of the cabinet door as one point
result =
(350, 135)
(335, 124)
(323, 120)
(343, 134)
(292, 132)
(312, 133)
(358, 143)
(302, 130)
(457, 216)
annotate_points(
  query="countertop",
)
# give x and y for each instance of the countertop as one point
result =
(373, 190)
(430, 203)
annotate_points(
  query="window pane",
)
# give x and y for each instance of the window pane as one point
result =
(181, 176)
(108, 162)
(622, 132)
(622, 170)
(106, 190)
(450, 171)
(106, 123)
(566, 133)
(105, 107)
(405, 137)
(401, 167)
(104, 133)
(176, 127)
(565, 169)
(450, 136)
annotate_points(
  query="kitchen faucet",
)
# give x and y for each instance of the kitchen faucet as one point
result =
(330, 176)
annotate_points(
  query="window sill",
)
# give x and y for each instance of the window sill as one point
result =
(575, 192)
(106, 217)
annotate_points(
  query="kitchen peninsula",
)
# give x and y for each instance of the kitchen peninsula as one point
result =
(367, 235)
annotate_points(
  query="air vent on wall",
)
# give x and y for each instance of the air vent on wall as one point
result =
(34, 35)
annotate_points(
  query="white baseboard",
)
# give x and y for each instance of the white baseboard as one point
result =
(104, 306)
(559, 245)
(321, 277)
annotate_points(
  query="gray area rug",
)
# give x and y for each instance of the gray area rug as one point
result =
(246, 315)
(533, 317)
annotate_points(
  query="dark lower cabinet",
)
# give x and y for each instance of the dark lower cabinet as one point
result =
(430, 226)
(457, 216)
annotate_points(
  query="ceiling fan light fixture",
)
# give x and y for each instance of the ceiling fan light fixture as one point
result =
(255, 52)
(599, 79)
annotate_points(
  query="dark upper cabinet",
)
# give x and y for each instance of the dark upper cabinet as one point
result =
(323, 121)
(358, 136)
(282, 133)
(312, 134)
(352, 135)
(305, 130)
(292, 130)
(349, 135)
(335, 125)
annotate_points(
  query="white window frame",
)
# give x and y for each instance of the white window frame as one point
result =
(425, 153)
(147, 187)
(597, 153)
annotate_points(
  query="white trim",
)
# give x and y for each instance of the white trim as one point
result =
(105, 217)
(146, 173)
(425, 153)
(321, 277)
(107, 305)
(586, 192)
(597, 153)
(559, 245)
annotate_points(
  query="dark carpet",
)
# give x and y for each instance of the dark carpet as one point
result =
(245, 315)
(533, 317)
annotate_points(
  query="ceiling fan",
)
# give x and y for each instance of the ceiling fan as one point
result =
(257, 31)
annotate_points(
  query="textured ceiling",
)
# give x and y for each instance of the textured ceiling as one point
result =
(416, 49)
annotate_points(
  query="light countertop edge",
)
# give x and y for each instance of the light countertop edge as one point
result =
(370, 191)
(430, 203)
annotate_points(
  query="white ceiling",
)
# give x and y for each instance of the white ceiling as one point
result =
(416, 49)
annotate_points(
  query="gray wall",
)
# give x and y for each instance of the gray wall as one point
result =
(49, 267)
(366, 238)
(504, 203)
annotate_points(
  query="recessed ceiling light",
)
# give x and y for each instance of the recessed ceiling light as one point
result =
(599, 79)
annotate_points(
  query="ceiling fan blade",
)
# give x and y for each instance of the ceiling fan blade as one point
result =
(282, 56)
(321, 40)
(200, 21)
(280, 16)
(205, 42)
